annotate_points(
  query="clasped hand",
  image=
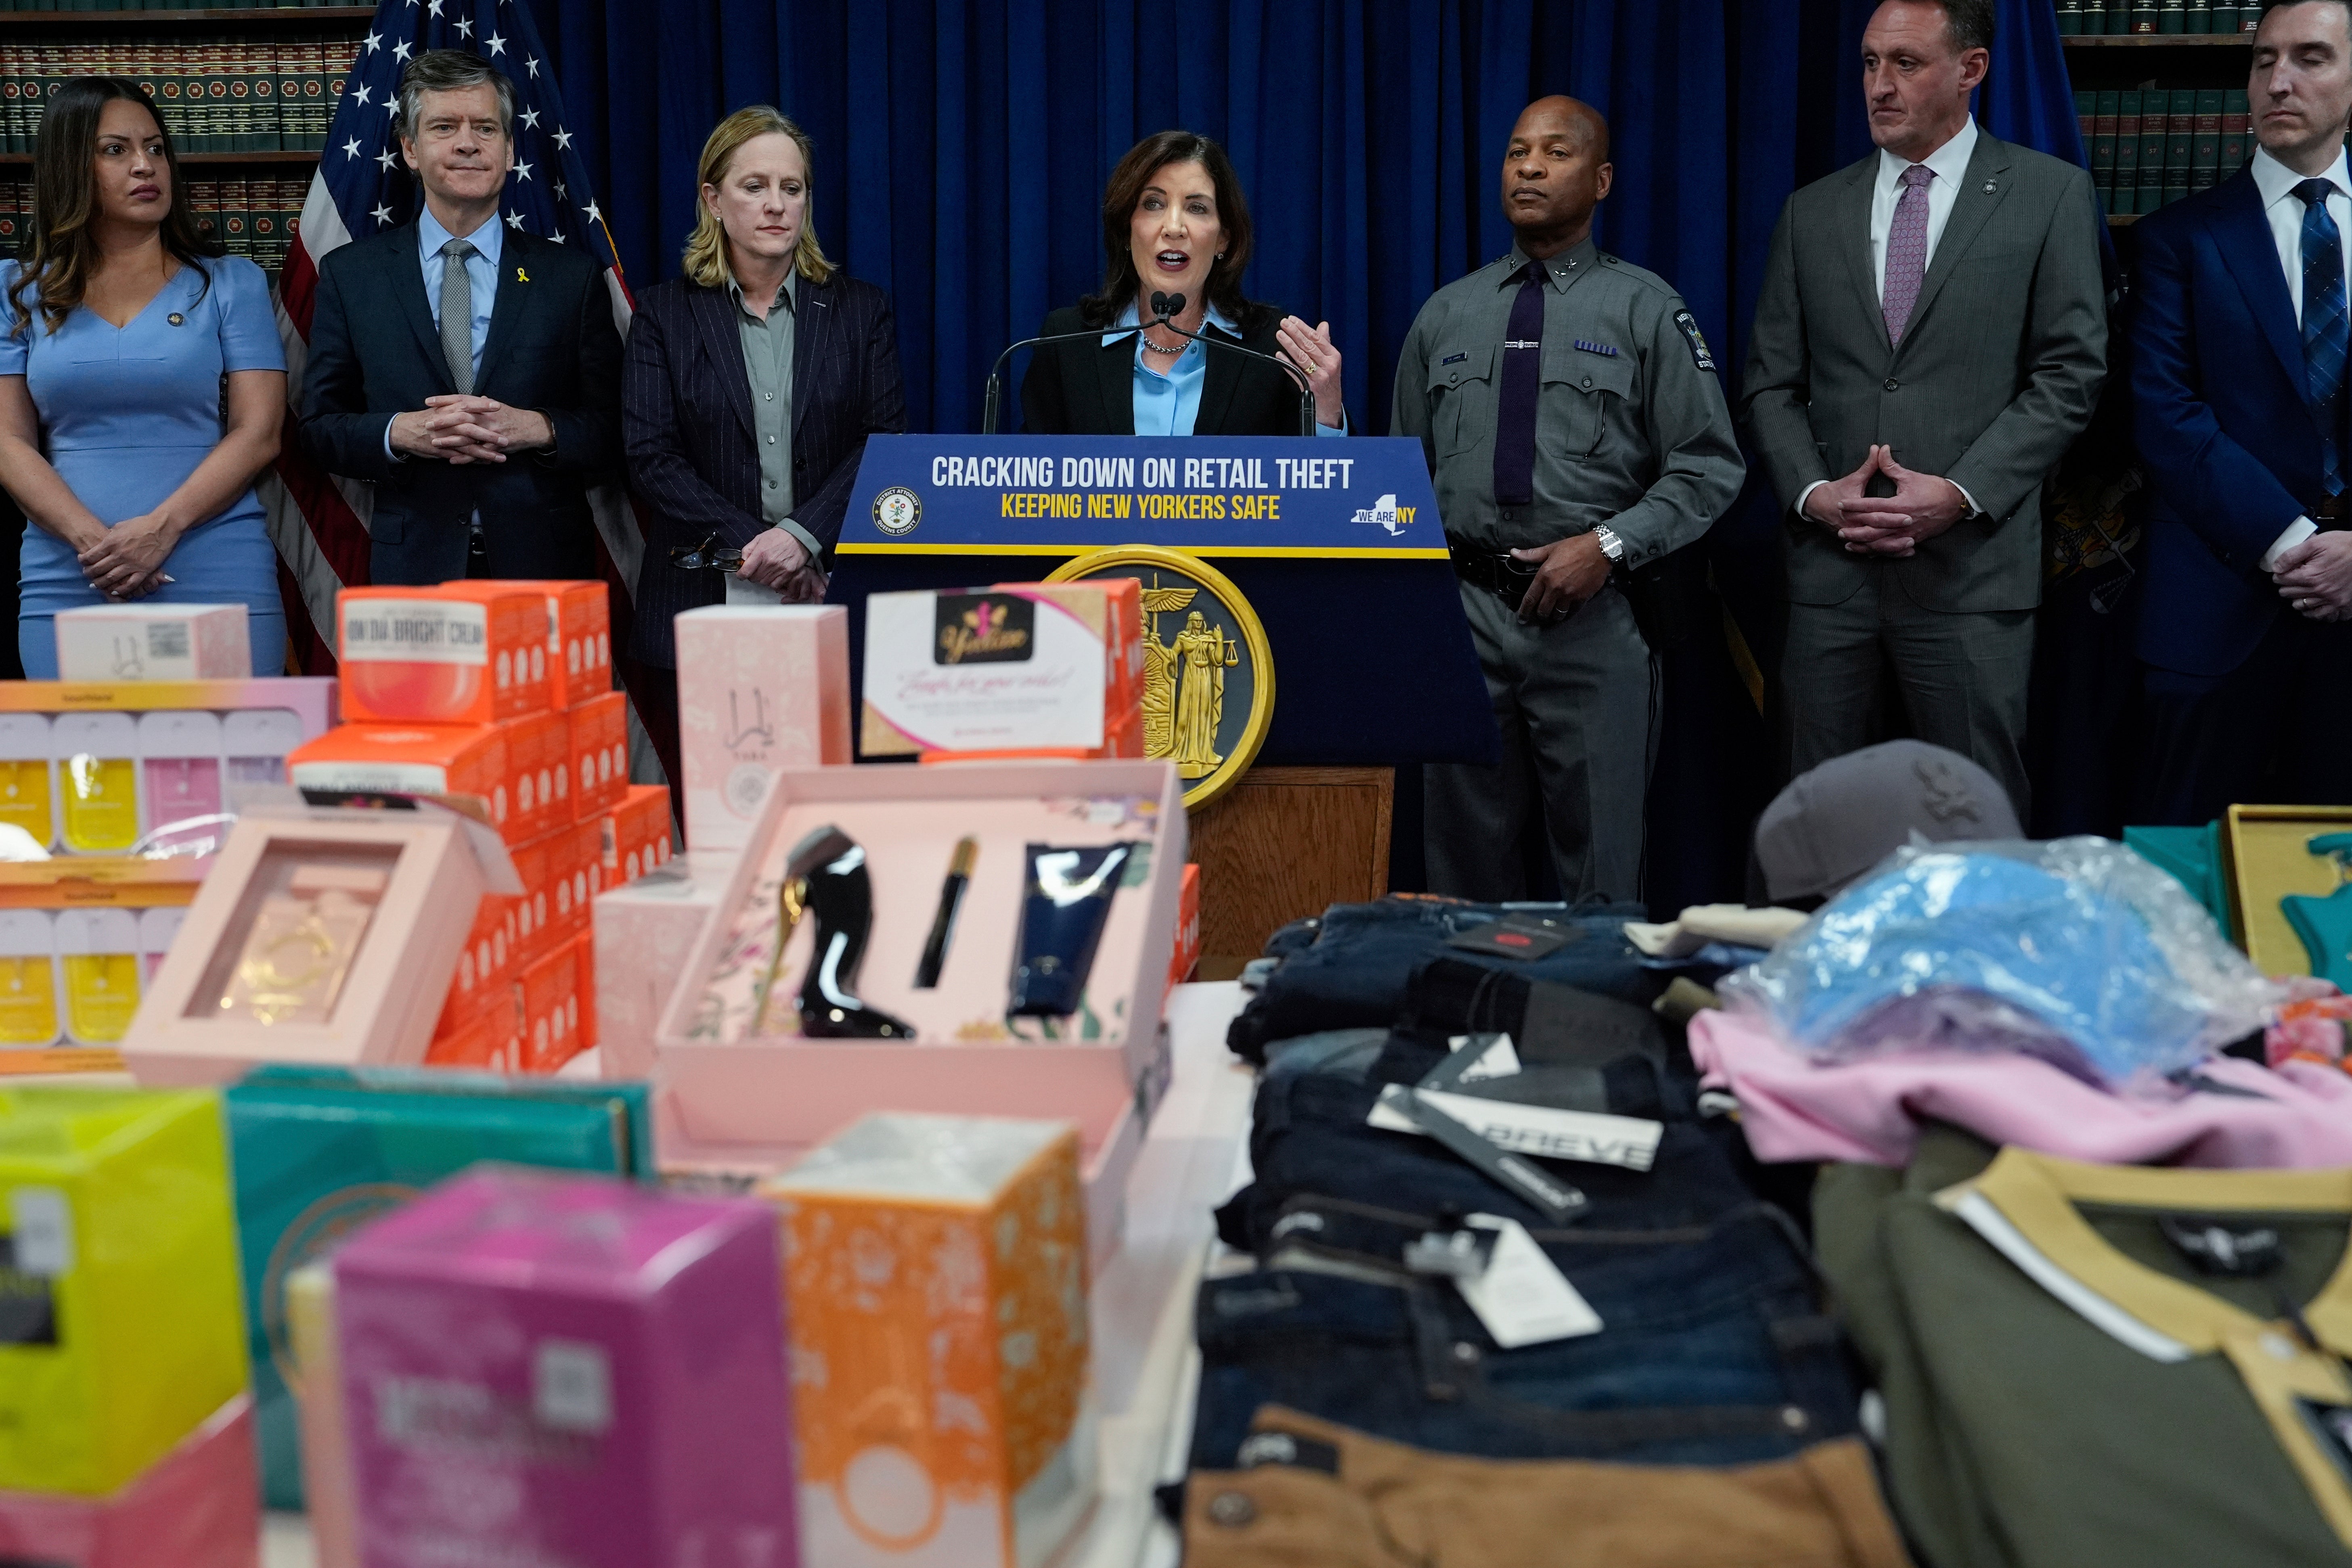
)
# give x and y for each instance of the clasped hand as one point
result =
(776, 560)
(1923, 506)
(2316, 576)
(126, 561)
(459, 427)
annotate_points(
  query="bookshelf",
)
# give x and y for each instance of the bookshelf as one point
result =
(247, 93)
(2178, 97)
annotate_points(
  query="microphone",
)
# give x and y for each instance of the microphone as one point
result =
(1173, 305)
(995, 394)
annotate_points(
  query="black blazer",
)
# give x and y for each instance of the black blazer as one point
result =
(686, 426)
(553, 347)
(1088, 389)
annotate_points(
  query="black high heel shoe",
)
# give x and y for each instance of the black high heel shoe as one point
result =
(826, 876)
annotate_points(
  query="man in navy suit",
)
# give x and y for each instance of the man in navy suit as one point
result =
(2238, 347)
(469, 370)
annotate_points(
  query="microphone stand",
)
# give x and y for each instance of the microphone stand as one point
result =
(1306, 392)
(995, 385)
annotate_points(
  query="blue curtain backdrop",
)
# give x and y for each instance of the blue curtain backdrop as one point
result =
(962, 146)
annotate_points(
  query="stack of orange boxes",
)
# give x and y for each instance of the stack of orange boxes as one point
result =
(504, 690)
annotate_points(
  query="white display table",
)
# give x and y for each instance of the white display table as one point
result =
(1145, 1365)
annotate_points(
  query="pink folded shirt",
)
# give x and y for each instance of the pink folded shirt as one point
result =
(1870, 1111)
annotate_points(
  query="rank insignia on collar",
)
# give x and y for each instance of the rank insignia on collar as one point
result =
(1594, 348)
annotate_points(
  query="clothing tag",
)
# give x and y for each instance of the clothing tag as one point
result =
(2211, 1247)
(1522, 1298)
(1287, 1448)
(1456, 1254)
(1594, 1137)
(43, 1229)
(1700, 356)
(1500, 1060)
(1519, 1175)
(1509, 939)
(572, 1387)
(1473, 1056)
(2330, 1425)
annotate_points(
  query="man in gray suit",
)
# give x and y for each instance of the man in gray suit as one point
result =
(1931, 336)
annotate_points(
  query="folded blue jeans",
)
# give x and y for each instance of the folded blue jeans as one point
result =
(1354, 972)
(1714, 1351)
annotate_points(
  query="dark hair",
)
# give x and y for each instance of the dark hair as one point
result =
(1969, 23)
(450, 70)
(59, 254)
(1120, 198)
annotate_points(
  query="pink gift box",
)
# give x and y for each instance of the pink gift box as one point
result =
(759, 687)
(755, 1104)
(645, 929)
(550, 1369)
(197, 1507)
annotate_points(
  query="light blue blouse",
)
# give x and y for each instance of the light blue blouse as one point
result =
(1168, 402)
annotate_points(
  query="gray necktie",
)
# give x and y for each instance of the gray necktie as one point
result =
(458, 314)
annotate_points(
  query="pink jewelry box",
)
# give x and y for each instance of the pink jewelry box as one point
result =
(345, 925)
(555, 1369)
(199, 1506)
(759, 687)
(735, 1104)
(645, 929)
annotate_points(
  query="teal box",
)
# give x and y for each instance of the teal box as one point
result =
(2191, 857)
(315, 1154)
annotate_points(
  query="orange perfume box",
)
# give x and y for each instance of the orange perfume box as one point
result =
(550, 993)
(935, 1268)
(413, 759)
(578, 638)
(463, 653)
(561, 874)
(636, 834)
(538, 751)
(598, 752)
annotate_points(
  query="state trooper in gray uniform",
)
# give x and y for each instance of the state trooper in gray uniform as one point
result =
(1576, 432)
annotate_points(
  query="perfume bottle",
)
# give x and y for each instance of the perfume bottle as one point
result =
(99, 949)
(29, 978)
(256, 740)
(291, 966)
(180, 755)
(99, 777)
(26, 797)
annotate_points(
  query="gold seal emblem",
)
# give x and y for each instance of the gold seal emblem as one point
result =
(1208, 671)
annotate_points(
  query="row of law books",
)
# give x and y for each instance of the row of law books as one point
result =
(253, 217)
(2153, 145)
(215, 94)
(169, 4)
(2077, 17)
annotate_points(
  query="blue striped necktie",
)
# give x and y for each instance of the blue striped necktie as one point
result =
(2326, 328)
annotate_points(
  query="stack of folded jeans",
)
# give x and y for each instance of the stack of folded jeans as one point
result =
(1347, 1308)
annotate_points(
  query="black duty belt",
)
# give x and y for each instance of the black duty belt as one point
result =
(1499, 571)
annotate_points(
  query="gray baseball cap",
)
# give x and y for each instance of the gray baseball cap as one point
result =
(1831, 825)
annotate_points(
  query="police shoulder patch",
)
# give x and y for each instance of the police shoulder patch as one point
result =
(1700, 355)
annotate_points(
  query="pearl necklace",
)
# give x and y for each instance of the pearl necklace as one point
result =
(1173, 353)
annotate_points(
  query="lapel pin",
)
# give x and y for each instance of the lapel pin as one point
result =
(1989, 187)
(522, 277)
(177, 319)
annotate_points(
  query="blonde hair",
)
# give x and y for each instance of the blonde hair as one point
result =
(706, 247)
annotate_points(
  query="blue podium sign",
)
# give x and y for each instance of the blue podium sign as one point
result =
(1208, 496)
(1334, 545)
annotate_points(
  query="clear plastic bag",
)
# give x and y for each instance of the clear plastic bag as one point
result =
(2075, 951)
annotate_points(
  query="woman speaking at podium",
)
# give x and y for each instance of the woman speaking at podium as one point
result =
(1175, 224)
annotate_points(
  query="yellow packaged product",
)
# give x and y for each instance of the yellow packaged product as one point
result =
(121, 1331)
(936, 1272)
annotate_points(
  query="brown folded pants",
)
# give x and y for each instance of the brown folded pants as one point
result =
(1389, 1506)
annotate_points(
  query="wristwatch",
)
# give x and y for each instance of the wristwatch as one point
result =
(1611, 545)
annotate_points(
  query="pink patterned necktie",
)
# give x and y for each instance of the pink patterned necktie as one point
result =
(1907, 251)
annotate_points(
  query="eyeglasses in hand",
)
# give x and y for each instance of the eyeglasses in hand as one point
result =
(709, 555)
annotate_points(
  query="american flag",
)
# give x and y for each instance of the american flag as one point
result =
(318, 520)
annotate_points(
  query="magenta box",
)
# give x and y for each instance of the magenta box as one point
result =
(567, 1371)
(199, 1506)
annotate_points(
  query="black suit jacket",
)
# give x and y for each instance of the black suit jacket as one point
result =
(1088, 388)
(685, 423)
(553, 347)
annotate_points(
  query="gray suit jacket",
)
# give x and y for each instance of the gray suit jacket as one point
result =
(1997, 372)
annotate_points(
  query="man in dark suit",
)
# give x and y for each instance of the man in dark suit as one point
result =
(2238, 393)
(1931, 338)
(470, 371)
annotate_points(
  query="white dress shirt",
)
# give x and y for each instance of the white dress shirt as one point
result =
(1951, 163)
(2284, 209)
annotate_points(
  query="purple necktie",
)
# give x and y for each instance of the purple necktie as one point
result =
(1907, 251)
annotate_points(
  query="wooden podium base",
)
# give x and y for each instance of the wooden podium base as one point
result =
(1283, 844)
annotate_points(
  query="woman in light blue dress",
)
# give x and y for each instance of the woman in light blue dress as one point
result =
(127, 336)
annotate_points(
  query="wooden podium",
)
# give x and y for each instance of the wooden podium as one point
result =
(1284, 844)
